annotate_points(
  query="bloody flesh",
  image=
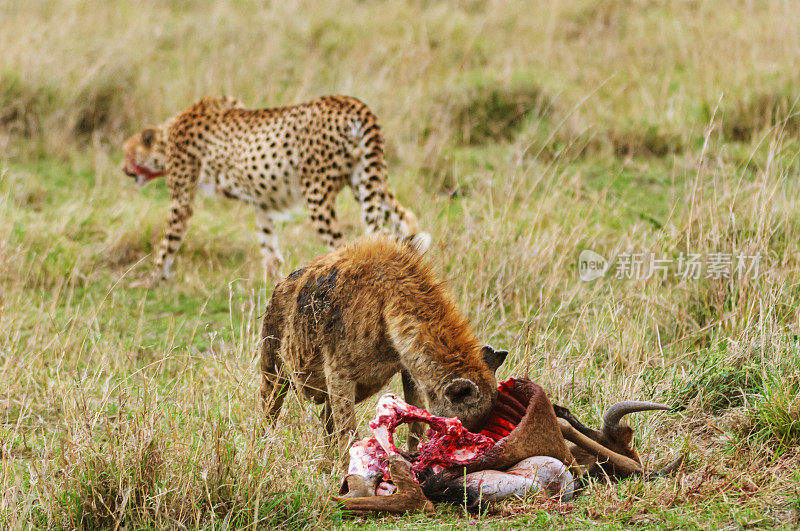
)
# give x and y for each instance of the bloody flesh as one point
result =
(449, 442)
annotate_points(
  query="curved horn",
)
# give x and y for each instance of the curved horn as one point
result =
(622, 463)
(615, 413)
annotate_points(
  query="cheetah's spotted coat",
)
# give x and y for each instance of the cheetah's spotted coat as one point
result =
(273, 159)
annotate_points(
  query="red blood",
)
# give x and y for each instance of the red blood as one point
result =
(503, 423)
(447, 449)
(496, 431)
(507, 386)
(449, 443)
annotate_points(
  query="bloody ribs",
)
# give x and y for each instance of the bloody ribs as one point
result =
(449, 442)
(506, 413)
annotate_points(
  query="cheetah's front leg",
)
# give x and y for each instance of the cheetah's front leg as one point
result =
(179, 213)
(268, 240)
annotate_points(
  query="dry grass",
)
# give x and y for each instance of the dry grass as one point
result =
(521, 134)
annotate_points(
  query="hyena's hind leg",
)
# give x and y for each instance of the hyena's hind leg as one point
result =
(274, 384)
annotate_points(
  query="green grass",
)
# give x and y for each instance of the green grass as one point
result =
(519, 134)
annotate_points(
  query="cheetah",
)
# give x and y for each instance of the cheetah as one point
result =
(274, 159)
(338, 329)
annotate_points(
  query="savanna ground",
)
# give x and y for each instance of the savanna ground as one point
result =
(521, 133)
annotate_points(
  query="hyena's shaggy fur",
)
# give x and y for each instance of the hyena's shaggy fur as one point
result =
(338, 329)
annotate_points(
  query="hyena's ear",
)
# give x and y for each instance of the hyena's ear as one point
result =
(148, 137)
(493, 358)
(462, 391)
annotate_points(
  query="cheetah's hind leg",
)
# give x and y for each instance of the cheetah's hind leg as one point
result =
(268, 241)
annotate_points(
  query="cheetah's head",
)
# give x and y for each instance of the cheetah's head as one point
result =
(145, 155)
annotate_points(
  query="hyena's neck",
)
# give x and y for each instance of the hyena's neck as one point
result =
(418, 353)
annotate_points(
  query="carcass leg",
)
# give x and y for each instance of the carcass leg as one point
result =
(538, 473)
(408, 498)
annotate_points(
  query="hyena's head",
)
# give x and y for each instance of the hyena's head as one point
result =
(470, 396)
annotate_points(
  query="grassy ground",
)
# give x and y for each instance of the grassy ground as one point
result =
(521, 135)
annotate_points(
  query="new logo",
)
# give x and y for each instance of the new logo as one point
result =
(591, 265)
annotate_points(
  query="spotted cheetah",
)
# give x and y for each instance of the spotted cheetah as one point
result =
(273, 159)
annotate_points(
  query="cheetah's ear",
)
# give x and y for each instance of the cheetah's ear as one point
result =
(493, 358)
(148, 137)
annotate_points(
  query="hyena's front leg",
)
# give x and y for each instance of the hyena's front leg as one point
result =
(326, 416)
(412, 395)
(268, 241)
(342, 400)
